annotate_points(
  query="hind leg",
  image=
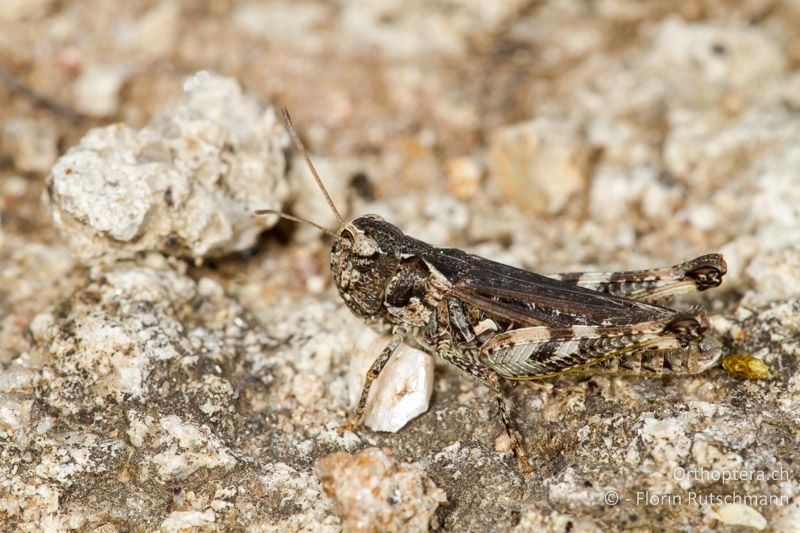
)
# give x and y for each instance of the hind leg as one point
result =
(513, 434)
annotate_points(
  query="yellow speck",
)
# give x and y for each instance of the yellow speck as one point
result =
(743, 366)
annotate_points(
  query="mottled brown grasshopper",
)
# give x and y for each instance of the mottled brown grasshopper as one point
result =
(494, 321)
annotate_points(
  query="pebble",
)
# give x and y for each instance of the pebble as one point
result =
(97, 90)
(463, 177)
(31, 142)
(738, 514)
(157, 29)
(377, 493)
(179, 521)
(540, 165)
(403, 389)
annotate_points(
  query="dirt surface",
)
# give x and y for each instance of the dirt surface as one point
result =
(181, 386)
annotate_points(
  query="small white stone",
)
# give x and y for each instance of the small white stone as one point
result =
(524, 158)
(210, 288)
(666, 438)
(186, 434)
(33, 143)
(40, 324)
(315, 284)
(14, 413)
(97, 90)
(178, 521)
(503, 442)
(403, 389)
(738, 514)
(157, 29)
(137, 430)
(45, 425)
(463, 177)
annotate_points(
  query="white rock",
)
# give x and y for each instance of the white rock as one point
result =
(774, 276)
(403, 389)
(704, 55)
(178, 521)
(187, 184)
(666, 438)
(110, 196)
(188, 435)
(111, 344)
(738, 514)
(14, 413)
(33, 143)
(40, 324)
(191, 447)
(157, 29)
(540, 165)
(15, 378)
(137, 428)
(97, 90)
(463, 177)
(787, 519)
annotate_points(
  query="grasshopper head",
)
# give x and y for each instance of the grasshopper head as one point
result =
(366, 250)
(364, 257)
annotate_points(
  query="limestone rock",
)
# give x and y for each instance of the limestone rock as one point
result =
(187, 184)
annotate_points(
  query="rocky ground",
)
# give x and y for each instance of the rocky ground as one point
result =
(168, 361)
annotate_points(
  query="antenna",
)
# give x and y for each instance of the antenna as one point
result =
(296, 219)
(297, 142)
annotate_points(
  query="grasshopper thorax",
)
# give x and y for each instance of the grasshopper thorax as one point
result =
(364, 257)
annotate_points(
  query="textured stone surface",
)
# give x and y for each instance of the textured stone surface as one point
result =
(540, 165)
(139, 390)
(187, 184)
(374, 492)
(33, 144)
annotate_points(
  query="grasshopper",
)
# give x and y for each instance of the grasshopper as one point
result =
(494, 321)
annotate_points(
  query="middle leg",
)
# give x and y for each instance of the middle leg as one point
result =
(377, 366)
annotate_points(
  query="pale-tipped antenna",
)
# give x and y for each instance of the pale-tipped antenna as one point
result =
(296, 219)
(299, 144)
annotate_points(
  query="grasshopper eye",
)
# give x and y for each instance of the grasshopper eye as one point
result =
(364, 246)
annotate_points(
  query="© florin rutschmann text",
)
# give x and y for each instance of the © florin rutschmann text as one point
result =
(701, 475)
